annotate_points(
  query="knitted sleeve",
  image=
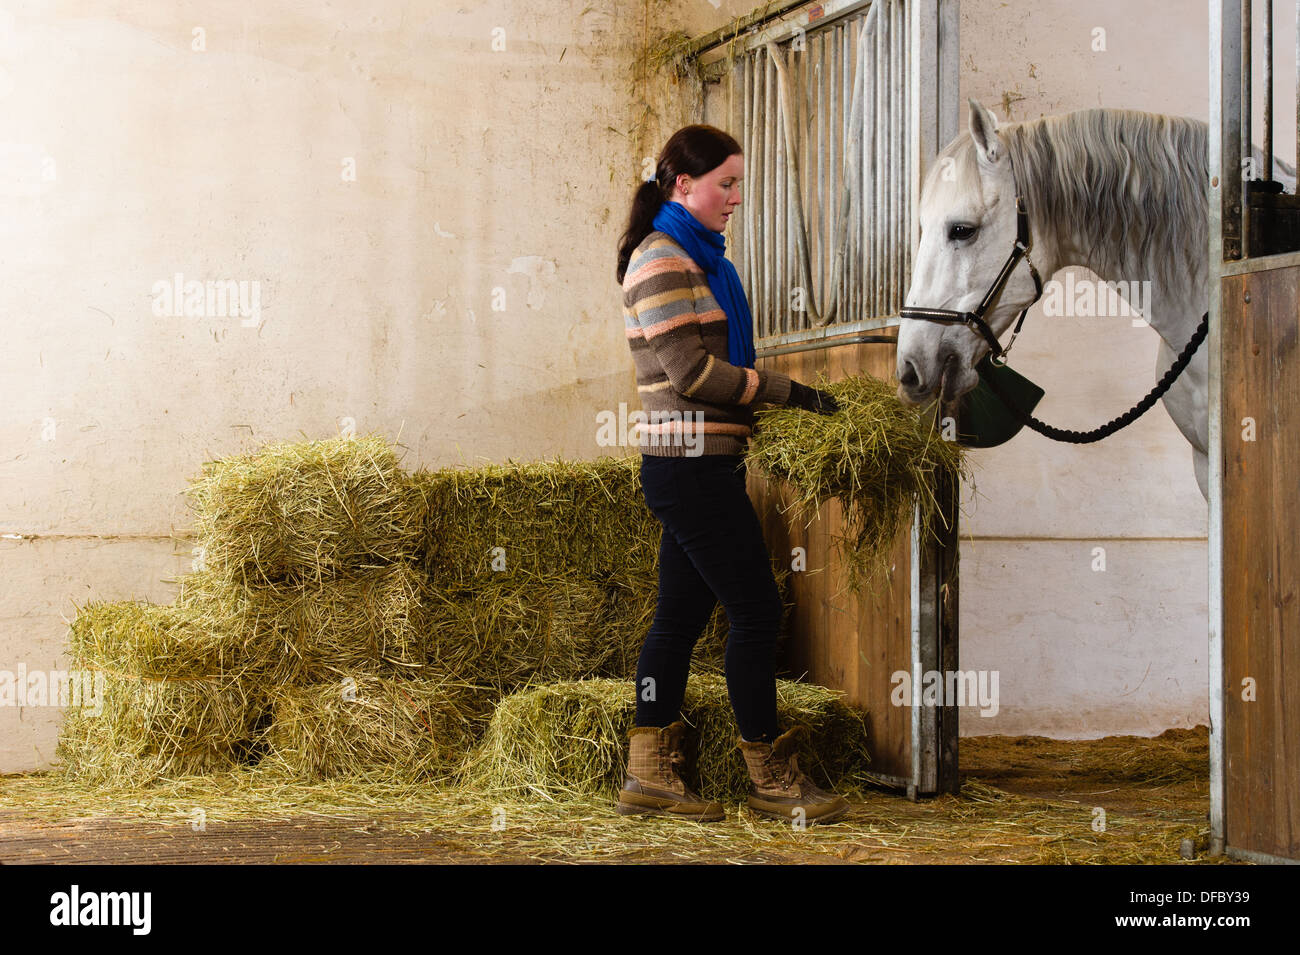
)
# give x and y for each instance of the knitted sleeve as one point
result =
(661, 294)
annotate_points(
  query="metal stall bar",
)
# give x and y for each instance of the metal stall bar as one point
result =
(1225, 244)
(1268, 88)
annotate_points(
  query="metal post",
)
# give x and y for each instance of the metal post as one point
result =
(1225, 244)
(1268, 90)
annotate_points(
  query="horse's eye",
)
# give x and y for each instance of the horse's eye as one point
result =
(961, 232)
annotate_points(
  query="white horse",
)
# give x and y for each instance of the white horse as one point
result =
(1120, 192)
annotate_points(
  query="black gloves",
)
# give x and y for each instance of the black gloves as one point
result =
(810, 399)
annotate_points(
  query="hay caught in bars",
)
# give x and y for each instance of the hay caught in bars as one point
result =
(586, 519)
(378, 620)
(305, 511)
(877, 456)
(380, 727)
(568, 740)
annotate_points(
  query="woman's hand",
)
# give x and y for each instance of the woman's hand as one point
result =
(810, 399)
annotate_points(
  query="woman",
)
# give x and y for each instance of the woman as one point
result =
(692, 339)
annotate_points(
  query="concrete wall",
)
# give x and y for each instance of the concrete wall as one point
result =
(457, 294)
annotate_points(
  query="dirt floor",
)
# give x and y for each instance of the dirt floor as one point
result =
(1023, 799)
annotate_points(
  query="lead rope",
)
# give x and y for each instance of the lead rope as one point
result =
(1124, 420)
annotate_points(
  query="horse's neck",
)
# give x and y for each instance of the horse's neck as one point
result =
(1173, 311)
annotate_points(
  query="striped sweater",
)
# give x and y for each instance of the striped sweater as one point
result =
(693, 400)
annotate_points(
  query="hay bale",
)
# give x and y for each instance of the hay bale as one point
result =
(376, 727)
(587, 517)
(570, 739)
(875, 455)
(306, 511)
(380, 620)
(506, 632)
(150, 730)
(174, 698)
(157, 641)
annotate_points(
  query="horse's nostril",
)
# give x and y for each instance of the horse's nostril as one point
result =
(908, 377)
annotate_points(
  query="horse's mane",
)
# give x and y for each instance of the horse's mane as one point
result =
(1132, 185)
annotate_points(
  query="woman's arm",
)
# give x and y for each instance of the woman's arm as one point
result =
(662, 298)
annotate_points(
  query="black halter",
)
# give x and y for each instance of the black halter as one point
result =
(975, 320)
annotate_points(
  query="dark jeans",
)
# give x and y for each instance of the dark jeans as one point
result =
(712, 549)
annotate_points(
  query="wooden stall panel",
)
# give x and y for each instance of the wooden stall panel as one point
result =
(1261, 569)
(839, 639)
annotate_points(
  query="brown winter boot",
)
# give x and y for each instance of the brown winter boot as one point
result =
(653, 785)
(779, 788)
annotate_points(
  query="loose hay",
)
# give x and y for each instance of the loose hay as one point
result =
(569, 740)
(306, 511)
(877, 456)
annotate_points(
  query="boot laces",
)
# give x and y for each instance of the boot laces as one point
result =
(789, 771)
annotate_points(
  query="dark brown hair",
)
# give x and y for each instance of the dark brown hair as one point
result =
(693, 151)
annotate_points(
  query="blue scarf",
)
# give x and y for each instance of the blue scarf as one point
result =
(706, 247)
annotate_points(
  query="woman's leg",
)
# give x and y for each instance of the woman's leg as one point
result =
(684, 606)
(715, 525)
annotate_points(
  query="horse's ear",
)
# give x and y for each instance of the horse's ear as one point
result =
(984, 131)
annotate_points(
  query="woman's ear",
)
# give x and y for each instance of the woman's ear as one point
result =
(984, 132)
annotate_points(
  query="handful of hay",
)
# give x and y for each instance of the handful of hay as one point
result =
(877, 456)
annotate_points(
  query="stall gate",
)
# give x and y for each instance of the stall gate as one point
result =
(839, 107)
(1254, 403)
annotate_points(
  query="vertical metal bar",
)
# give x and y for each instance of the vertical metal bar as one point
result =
(1268, 90)
(1225, 191)
(768, 260)
(923, 82)
(900, 177)
(949, 71)
(750, 177)
(847, 294)
(868, 195)
(795, 274)
(820, 206)
(882, 148)
(844, 291)
(855, 263)
(1247, 78)
(894, 171)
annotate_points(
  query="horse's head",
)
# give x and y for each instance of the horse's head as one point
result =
(968, 228)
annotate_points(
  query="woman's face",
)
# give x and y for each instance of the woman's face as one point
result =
(713, 197)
